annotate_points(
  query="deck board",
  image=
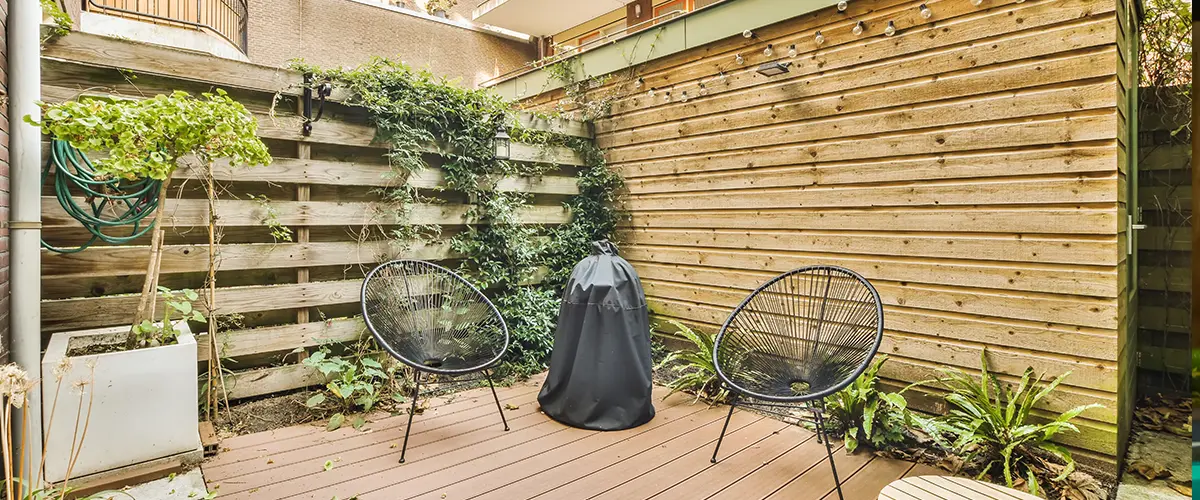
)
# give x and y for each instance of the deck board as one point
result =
(459, 450)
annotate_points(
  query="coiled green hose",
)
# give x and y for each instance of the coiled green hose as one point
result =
(103, 205)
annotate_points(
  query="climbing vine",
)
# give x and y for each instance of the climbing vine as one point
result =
(521, 266)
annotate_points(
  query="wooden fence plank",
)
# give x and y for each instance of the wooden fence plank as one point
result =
(194, 212)
(232, 344)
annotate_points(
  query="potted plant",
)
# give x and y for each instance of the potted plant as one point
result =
(145, 391)
(440, 7)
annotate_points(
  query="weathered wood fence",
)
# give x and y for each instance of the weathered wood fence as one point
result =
(276, 296)
(1165, 246)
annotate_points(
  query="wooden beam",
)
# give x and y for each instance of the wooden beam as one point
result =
(131, 260)
(194, 212)
(231, 344)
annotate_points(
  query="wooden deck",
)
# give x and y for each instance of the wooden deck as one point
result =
(459, 450)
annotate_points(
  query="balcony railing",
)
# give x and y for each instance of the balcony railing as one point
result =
(224, 18)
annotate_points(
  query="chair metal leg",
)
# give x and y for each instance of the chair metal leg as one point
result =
(413, 411)
(828, 452)
(488, 374)
(725, 427)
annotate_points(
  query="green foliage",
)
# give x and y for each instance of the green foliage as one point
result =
(144, 138)
(695, 370)
(356, 384)
(992, 423)
(861, 413)
(531, 314)
(271, 219)
(443, 5)
(177, 303)
(414, 110)
(62, 21)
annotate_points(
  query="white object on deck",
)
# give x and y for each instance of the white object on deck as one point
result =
(948, 488)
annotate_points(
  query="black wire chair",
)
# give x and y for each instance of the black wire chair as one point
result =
(433, 320)
(798, 338)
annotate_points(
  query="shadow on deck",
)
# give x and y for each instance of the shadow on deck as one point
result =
(459, 450)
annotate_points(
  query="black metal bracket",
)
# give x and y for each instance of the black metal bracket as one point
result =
(323, 91)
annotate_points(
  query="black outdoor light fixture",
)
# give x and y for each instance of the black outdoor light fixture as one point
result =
(773, 68)
(503, 143)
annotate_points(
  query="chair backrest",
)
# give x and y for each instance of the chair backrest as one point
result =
(431, 318)
(801, 336)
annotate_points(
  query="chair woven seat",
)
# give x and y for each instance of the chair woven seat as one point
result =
(433, 320)
(798, 338)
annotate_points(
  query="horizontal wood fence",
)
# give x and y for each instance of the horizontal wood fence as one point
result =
(968, 166)
(273, 296)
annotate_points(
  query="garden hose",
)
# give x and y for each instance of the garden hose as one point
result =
(103, 205)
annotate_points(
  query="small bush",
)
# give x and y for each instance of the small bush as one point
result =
(992, 426)
(531, 315)
(863, 414)
(695, 370)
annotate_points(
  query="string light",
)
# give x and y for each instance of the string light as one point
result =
(684, 97)
(819, 38)
(748, 34)
(637, 84)
(792, 50)
(703, 90)
(843, 5)
(890, 29)
(739, 59)
(925, 12)
(667, 96)
(650, 93)
(858, 28)
(769, 51)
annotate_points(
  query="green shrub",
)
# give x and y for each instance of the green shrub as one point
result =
(356, 383)
(695, 370)
(861, 413)
(531, 314)
(992, 425)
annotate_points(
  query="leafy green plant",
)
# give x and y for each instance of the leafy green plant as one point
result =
(271, 219)
(695, 370)
(521, 266)
(532, 315)
(178, 304)
(442, 5)
(356, 384)
(862, 413)
(62, 21)
(993, 424)
(145, 139)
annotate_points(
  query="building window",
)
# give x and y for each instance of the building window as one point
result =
(671, 10)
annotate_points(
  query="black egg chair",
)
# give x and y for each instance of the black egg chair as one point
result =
(798, 338)
(435, 321)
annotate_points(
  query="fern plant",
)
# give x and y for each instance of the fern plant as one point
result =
(992, 423)
(861, 413)
(695, 369)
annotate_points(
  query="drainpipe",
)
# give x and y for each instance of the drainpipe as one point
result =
(24, 88)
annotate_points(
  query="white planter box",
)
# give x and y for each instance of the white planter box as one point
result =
(143, 403)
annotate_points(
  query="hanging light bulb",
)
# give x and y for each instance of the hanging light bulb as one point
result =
(683, 97)
(667, 96)
(819, 38)
(858, 28)
(792, 50)
(637, 84)
(890, 29)
(769, 51)
(650, 93)
(722, 77)
(843, 5)
(748, 34)
(925, 12)
(739, 59)
(703, 90)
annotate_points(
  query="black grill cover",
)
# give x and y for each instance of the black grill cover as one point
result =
(600, 369)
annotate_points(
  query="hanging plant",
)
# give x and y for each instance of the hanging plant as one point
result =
(145, 139)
